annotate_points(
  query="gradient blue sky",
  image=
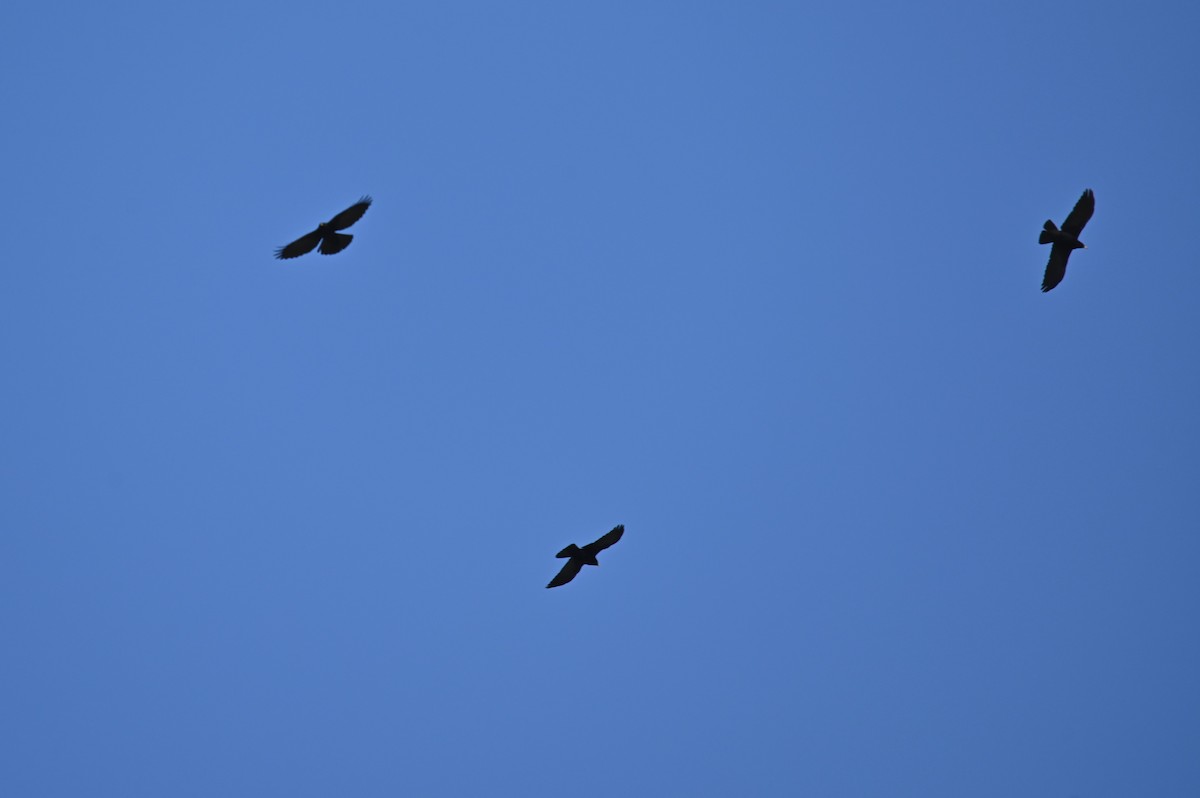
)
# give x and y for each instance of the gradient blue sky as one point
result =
(760, 281)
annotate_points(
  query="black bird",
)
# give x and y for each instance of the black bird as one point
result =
(326, 233)
(1066, 239)
(586, 555)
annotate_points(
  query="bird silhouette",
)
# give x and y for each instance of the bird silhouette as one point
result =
(326, 234)
(584, 555)
(1065, 240)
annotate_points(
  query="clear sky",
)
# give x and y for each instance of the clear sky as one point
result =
(758, 280)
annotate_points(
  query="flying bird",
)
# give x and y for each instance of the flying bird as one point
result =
(1066, 239)
(585, 555)
(326, 234)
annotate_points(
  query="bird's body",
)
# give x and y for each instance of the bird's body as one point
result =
(579, 556)
(1064, 241)
(326, 234)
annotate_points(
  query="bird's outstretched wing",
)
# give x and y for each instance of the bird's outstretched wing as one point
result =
(301, 245)
(1056, 268)
(569, 569)
(335, 242)
(1079, 215)
(350, 215)
(605, 540)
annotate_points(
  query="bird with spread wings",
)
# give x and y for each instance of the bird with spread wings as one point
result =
(327, 234)
(580, 556)
(1066, 239)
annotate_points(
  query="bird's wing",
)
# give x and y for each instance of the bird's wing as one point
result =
(569, 569)
(605, 540)
(300, 246)
(1056, 268)
(350, 215)
(1080, 214)
(335, 242)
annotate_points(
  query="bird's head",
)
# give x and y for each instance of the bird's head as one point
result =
(320, 225)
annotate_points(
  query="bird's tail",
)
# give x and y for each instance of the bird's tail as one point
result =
(335, 242)
(569, 551)
(1047, 229)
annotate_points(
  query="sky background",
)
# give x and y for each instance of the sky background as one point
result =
(759, 281)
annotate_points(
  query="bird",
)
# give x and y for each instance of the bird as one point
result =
(584, 555)
(326, 234)
(1065, 239)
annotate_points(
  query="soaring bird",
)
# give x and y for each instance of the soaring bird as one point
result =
(585, 555)
(1066, 239)
(326, 233)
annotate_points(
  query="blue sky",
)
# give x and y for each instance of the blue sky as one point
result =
(760, 282)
